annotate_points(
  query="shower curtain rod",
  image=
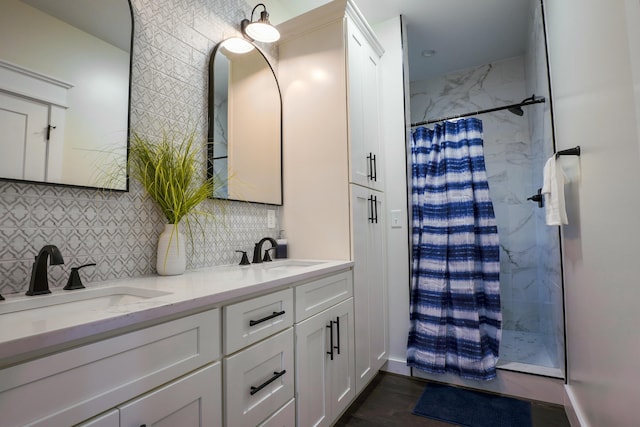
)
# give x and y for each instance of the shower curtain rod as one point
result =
(524, 103)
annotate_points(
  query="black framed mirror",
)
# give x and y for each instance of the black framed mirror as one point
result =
(65, 79)
(245, 125)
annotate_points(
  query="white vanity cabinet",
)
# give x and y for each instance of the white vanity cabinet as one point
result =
(230, 362)
(72, 386)
(332, 150)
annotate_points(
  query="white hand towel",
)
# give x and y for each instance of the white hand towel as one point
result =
(553, 191)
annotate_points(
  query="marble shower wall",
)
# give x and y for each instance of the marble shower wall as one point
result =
(119, 231)
(512, 171)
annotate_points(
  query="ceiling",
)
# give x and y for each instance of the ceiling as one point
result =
(464, 33)
(109, 20)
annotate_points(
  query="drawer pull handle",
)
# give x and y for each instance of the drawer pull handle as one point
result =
(275, 376)
(264, 319)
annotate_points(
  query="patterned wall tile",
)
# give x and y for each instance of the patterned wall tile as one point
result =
(119, 231)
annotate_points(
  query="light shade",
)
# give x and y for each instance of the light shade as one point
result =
(237, 45)
(260, 30)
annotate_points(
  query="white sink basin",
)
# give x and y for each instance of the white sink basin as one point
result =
(76, 300)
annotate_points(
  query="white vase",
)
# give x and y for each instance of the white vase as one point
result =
(172, 259)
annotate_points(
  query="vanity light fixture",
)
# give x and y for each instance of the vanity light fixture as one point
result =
(260, 30)
(237, 45)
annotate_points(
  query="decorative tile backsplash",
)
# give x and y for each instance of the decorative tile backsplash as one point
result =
(119, 231)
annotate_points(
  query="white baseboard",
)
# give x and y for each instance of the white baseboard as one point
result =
(533, 387)
(397, 367)
(572, 408)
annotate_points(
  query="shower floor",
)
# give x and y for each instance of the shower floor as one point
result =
(527, 352)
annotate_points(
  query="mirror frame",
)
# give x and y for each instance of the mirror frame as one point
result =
(128, 132)
(211, 122)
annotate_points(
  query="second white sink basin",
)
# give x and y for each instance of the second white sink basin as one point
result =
(82, 299)
(292, 264)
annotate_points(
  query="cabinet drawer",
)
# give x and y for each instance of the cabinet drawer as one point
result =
(101, 375)
(250, 321)
(316, 296)
(265, 369)
(191, 401)
(285, 417)
(110, 419)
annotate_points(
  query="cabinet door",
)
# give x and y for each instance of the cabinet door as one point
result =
(324, 365)
(369, 283)
(192, 401)
(342, 368)
(23, 152)
(312, 345)
(364, 110)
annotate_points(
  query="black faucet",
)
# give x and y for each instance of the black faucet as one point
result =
(257, 249)
(39, 284)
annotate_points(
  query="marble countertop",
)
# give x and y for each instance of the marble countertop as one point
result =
(31, 333)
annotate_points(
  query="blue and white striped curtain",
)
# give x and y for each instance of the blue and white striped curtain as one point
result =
(455, 286)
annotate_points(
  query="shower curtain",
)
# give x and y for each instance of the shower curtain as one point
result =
(455, 287)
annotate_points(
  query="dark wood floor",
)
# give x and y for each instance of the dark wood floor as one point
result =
(389, 400)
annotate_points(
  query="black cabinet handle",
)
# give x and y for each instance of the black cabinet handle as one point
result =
(337, 322)
(371, 209)
(264, 319)
(375, 208)
(275, 376)
(330, 352)
(374, 168)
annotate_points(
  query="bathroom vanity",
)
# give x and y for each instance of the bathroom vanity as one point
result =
(213, 347)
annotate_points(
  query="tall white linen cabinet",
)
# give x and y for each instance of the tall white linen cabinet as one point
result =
(332, 159)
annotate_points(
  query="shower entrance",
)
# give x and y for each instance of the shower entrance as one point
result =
(530, 270)
(517, 143)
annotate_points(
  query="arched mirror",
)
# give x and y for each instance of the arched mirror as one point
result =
(64, 91)
(245, 125)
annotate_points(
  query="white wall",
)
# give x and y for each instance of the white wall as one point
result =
(594, 107)
(390, 35)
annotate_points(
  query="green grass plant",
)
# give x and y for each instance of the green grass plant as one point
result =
(171, 172)
(168, 171)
